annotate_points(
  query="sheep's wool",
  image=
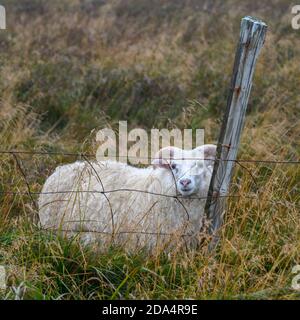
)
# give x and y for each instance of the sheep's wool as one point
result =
(132, 212)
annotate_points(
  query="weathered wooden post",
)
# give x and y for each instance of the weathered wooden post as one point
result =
(252, 36)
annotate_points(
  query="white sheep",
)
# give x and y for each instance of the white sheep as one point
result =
(155, 207)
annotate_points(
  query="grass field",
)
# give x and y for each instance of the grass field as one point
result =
(68, 68)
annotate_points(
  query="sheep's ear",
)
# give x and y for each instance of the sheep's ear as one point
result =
(163, 157)
(209, 153)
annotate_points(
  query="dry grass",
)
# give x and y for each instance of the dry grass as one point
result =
(69, 67)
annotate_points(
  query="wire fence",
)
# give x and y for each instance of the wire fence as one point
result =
(76, 154)
(179, 198)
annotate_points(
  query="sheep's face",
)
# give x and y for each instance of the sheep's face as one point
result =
(191, 173)
(190, 176)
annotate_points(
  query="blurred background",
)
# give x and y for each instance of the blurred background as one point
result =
(68, 67)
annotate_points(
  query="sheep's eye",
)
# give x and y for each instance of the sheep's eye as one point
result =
(173, 166)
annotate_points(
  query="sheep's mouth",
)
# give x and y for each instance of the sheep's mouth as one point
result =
(186, 191)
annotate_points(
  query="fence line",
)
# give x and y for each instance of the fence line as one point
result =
(121, 190)
(254, 197)
(104, 192)
(84, 155)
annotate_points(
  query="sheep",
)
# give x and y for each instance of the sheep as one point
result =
(161, 206)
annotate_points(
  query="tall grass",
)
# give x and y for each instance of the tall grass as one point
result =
(69, 67)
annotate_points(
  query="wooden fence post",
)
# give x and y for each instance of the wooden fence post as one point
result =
(252, 36)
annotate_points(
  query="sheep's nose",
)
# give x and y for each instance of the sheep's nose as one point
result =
(185, 182)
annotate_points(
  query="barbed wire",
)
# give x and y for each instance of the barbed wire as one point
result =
(76, 154)
(246, 196)
(121, 190)
(104, 192)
